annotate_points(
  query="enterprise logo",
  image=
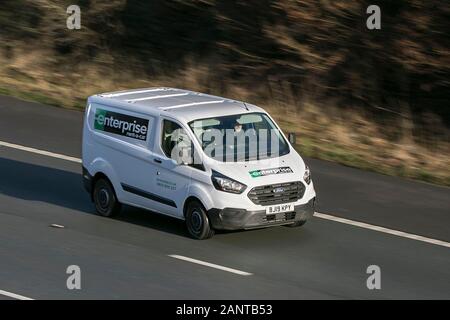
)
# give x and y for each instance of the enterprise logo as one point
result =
(268, 172)
(121, 124)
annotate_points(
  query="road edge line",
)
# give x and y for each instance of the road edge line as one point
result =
(382, 229)
(41, 152)
(14, 295)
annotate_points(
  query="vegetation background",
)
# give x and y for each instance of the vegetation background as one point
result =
(373, 99)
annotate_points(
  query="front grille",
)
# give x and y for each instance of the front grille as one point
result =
(279, 217)
(265, 195)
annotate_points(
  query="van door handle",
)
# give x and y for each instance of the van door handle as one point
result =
(157, 160)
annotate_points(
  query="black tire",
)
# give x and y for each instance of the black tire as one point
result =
(197, 221)
(105, 199)
(296, 224)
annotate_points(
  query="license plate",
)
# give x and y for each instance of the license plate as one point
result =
(280, 208)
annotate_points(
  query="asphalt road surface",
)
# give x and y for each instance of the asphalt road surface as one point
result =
(129, 257)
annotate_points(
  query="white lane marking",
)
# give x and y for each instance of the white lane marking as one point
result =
(41, 152)
(317, 214)
(13, 295)
(211, 265)
(382, 229)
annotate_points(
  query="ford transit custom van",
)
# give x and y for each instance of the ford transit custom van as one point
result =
(213, 162)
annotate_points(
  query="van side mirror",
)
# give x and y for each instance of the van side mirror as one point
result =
(292, 138)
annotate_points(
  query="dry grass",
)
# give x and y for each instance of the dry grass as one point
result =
(324, 131)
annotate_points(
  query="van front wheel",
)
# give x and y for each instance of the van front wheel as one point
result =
(197, 221)
(105, 199)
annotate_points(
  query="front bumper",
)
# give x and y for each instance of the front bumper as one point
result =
(235, 219)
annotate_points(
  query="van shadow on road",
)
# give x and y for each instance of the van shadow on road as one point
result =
(33, 182)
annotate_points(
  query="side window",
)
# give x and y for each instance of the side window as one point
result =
(177, 145)
(173, 136)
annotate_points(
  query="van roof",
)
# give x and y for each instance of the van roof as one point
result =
(181, 104)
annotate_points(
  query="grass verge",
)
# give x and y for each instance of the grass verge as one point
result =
(309, 144)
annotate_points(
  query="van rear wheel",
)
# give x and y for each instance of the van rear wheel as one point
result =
(197, 221)
(105, 200)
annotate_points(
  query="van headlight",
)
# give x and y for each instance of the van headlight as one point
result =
(226, 184)
(307, 175)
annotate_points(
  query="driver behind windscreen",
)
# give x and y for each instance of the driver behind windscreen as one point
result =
(238, 129)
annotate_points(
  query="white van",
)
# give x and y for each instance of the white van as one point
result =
(214, 162)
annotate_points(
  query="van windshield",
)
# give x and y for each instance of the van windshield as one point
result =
(241, 137)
